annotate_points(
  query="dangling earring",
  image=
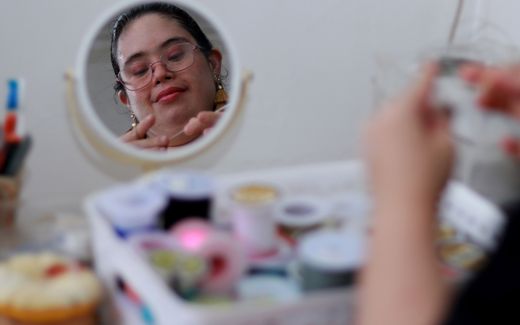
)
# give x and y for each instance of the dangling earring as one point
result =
(221, 96)
(134, 119)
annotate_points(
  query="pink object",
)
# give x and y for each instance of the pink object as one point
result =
(225, 258)
(191, 233)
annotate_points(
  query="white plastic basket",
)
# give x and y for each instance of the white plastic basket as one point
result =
(114, 256)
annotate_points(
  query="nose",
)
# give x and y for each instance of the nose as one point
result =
(160, 72)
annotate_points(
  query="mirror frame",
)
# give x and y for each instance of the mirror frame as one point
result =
(89, 125)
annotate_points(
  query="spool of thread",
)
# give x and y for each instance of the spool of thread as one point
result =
(252, 217)
(189, 194)
(329, 259)
(225, 259)
(131, 209)
(297, 216)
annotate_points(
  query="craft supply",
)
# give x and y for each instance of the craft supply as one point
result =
(182, 270)
(189, 194)
(252, 217)
(299, 215)
(267, 288)
(275, 264)
(131, 208)
(11, 123)
(145, 313)
(329, 259)
(16, 156)
(225, 259)
(156, 247)
(191, 233)
(190, 273)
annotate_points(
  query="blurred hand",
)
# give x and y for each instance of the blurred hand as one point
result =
(409, 148)
(137, 136)
(499, 90)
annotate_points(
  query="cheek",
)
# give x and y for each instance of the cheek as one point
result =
(139, 103)
(206, 87)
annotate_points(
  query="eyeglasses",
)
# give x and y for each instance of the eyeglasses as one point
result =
(138, 74)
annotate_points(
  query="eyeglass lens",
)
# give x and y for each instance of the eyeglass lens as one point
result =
(176, 57)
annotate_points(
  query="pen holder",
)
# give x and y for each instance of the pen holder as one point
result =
(9, 194)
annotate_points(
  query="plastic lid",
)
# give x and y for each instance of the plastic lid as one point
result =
(131, 206)
(186, 185)
(332, 251)
(301, 211)
(255, 193)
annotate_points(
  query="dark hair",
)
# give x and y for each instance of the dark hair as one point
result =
(162, 8)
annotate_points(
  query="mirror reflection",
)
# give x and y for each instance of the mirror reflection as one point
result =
(157, 76)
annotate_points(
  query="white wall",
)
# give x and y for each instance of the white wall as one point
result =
(313, 63)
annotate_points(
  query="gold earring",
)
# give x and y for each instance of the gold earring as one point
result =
(221, 96)
(134, 120)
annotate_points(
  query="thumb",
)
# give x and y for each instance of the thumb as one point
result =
(422, 91)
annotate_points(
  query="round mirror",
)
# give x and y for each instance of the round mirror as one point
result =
(155, 82)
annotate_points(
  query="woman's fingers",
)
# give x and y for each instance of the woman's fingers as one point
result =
(499, 88)
(158, 143)
(139, 132)
(142, 128)
(193, 127)
(511, 146)
(137, 136)
(202, 123)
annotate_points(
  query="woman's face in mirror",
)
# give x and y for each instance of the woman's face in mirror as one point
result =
(173, 97)
(167, 75)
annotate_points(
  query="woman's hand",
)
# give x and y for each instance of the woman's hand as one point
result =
(409, 149)
(137, 136)
(409, 154)
(499, 90)
(202, 123)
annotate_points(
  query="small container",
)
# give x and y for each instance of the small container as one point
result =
(182, 270)
(329, 259)
(297, 216)
(131, 209)
(252, 215)
(224, 258)
(189, 194)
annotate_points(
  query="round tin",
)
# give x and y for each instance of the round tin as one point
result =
(329, 259)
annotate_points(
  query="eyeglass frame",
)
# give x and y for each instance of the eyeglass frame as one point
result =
(161, 60)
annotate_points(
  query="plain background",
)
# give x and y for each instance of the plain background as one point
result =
(315, 66)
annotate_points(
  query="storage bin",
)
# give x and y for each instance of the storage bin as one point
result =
(114, 257)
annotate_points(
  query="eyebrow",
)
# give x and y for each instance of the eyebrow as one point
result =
(165, 44)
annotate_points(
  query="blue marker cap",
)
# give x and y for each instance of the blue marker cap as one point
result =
(12, 95)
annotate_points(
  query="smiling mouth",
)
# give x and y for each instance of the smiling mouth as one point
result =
(169, 95)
